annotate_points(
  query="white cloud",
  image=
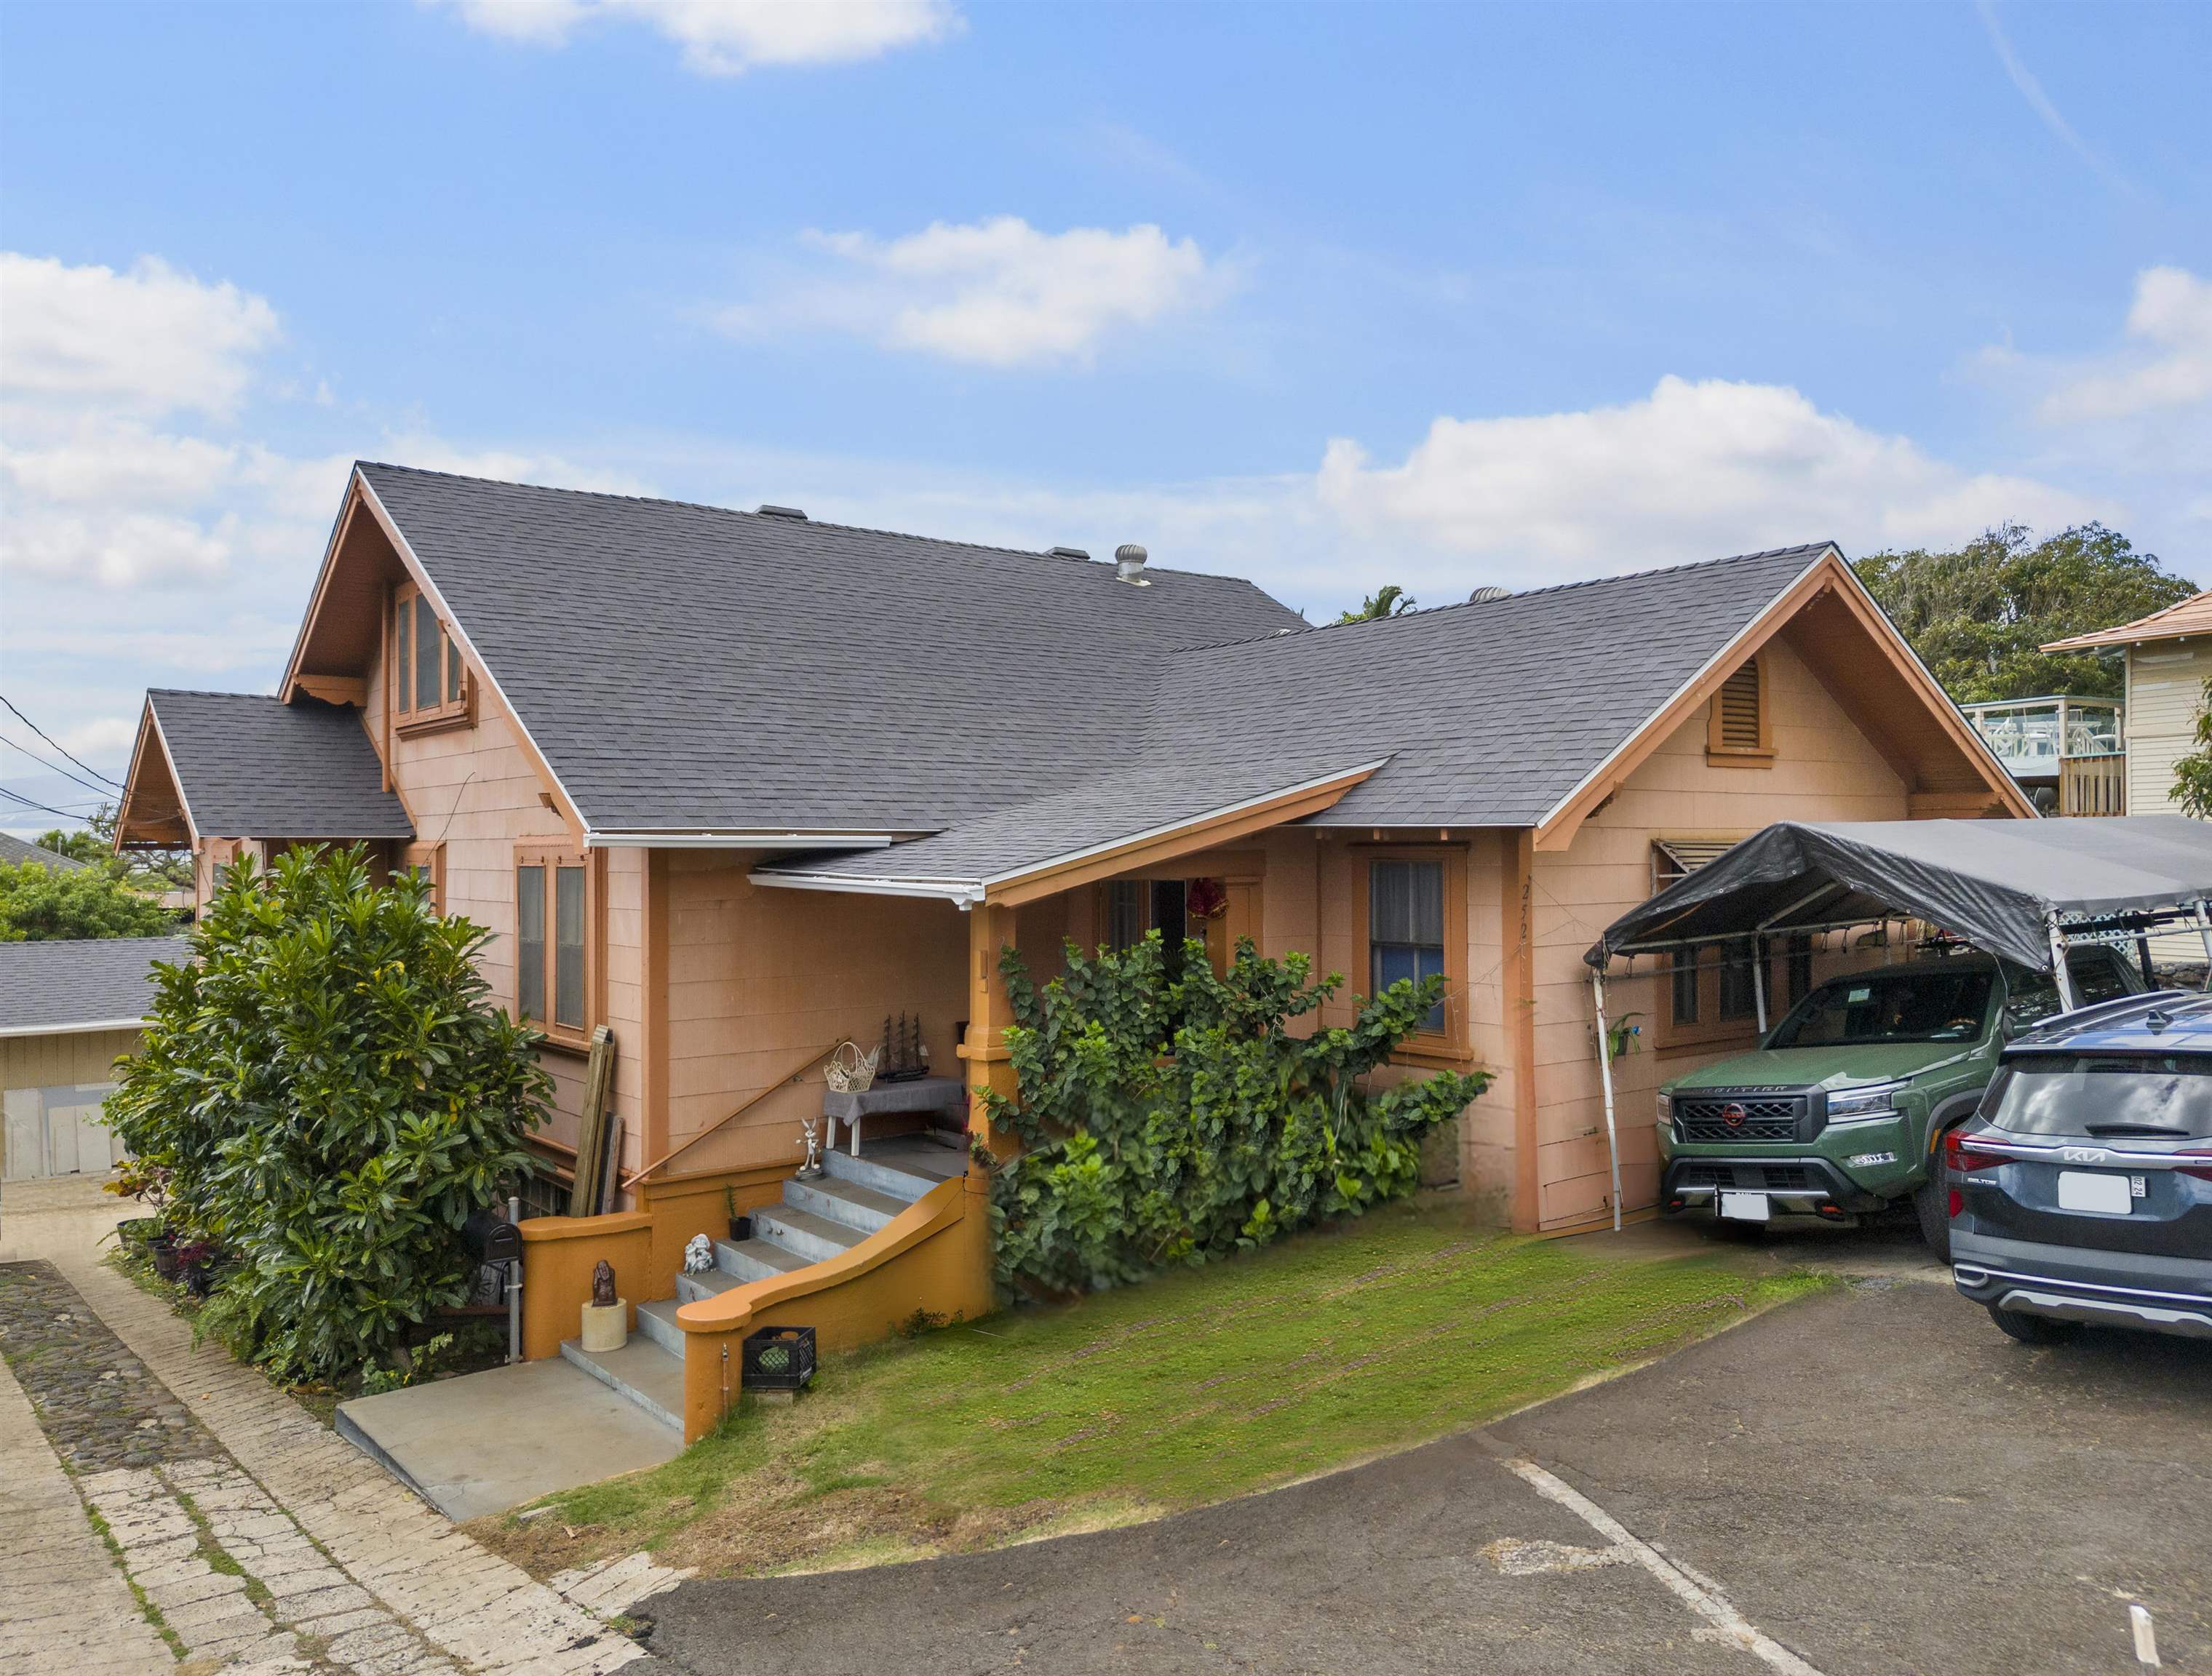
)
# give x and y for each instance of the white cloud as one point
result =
(1694, 470)
(147, 341)
(2168, 364)
(997, 293)
(729, 37)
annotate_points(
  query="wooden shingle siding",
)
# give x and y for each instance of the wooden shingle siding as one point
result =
(1824, 769)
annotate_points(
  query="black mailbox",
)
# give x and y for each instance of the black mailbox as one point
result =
(493, 1238)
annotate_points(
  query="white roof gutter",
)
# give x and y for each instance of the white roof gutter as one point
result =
(737, 840)
(13, 1031)
(962, 893)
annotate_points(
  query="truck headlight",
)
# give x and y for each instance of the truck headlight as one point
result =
(1875, 1103)
(1666, 1103)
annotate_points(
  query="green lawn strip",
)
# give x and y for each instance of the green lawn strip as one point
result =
(1325, 1350)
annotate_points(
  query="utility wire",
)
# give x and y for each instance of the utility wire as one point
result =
(33, 802)
(41, 732)
(52, 768)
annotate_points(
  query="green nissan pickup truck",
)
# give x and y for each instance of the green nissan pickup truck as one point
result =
(1842, 1109)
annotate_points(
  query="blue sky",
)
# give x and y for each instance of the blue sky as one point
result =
(1324, 296)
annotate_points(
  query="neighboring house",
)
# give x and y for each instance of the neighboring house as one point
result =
(14, 852)
(2168, 655)
(67, 1010)
(738, 786)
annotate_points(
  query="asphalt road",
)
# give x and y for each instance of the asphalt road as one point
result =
(1874, 1480)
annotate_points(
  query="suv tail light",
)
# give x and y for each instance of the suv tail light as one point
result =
(1961, 1155)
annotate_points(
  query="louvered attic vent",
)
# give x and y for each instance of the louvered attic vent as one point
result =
(1740, 709)
(1738, 728)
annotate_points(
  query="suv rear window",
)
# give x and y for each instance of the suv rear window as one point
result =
(1890, 1006)
(2156, 1097)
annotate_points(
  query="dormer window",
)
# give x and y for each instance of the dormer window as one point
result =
(427, 682)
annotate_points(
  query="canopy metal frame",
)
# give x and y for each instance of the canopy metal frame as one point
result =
(2065, 932)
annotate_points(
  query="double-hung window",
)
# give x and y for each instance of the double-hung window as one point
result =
(552, 977)
(1406, 926)
(427, 681)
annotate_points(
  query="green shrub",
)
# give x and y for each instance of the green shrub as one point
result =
(40, 903)
(1175, 1119)
(331, 1093)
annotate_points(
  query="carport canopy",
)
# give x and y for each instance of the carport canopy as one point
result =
(2007, 887)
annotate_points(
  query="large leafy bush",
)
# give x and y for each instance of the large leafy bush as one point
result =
(330, 1092)
(40, 903)
(1173, 1118)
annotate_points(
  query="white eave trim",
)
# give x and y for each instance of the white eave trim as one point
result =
(13, 1032)
(964, 893)
(737, 840)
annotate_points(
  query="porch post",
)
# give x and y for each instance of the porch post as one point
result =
(990, 932)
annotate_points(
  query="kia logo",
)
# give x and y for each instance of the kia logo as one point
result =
(1733, 1115)
(2083, 1155)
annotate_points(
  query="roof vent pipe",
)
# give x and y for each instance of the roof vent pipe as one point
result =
(1129, 564)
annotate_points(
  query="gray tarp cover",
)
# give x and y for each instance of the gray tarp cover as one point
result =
(1989, 882)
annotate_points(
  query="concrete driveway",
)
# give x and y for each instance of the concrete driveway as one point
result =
(1871, 1480)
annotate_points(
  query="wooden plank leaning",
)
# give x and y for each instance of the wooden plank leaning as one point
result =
(584, 1194)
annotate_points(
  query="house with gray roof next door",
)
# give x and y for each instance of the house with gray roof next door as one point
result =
(68, 1012)
(737, 786)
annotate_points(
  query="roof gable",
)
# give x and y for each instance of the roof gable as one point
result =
(250, 766)
(2193, 616)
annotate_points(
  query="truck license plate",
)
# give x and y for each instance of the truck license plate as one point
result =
(2087, 1190)
(1744, 1207)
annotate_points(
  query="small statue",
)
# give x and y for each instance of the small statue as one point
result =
(698, 1254)
(810, 1136)
(603, 1284)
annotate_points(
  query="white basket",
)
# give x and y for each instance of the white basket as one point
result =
(849, 1071)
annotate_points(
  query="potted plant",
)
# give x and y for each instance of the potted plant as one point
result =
(741, 1228)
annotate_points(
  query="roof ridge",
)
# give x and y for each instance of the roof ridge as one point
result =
(205, 692)
(808, 523)
(1523, 593)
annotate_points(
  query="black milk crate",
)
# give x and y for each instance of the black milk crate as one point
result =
(779, 1359)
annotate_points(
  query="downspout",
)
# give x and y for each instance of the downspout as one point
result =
(1604, 1075)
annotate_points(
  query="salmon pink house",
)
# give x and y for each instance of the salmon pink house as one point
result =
(735, 787)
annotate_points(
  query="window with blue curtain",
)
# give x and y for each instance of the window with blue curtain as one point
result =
(1406, 926)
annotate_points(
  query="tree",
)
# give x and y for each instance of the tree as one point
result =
(328, 1092)
(2193, 775)
(1979, 616)
(1388, 600)
(40, 903)
(150, 870)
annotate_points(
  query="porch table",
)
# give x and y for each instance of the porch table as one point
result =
(948, 1094)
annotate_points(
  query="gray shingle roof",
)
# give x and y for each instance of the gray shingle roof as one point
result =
(250, 766)
(52, 986)
(1489, 715)
(15, 851)
(687, 667)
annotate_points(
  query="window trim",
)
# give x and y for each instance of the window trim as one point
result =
(432, 859)
(1452, 1046)
(554, 854)
(1718, 751)
(408, 720)
(1709, 1030)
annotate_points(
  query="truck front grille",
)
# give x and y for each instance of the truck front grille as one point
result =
(1726, 1117)
(1758, 1178)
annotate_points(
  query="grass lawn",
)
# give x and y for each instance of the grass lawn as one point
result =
(1327, 1348)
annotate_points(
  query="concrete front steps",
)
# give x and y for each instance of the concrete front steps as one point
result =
(817, 1220)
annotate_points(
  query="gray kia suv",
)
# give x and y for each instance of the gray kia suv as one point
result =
(2081, 1191)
